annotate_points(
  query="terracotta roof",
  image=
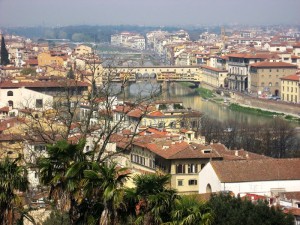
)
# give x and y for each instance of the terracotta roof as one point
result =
(37, 84)
(250, 56)
(10, 122)
(155, 114)
(4, 109)
(213, 68)
(293, 211)
(169, 150)
(257, 170)
(273, 65)
(293, 77)
(290, 195)
(32, 62)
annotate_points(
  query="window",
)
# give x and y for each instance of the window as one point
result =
(10, 93)
(180, 168)
(270, 84)
(192, 168)
(262, 84)
(179, 182)
(10, 103)
(39, 103)
(192, 182)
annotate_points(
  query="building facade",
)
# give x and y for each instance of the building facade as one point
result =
(290, 86)
(264, 77)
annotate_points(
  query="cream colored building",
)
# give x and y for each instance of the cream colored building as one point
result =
(264, 77)
(214, 77)
(290, 88)
(82, 50)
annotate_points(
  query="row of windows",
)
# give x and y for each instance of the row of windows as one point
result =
(191, 168)
(292, 98)
(270, 84)
(190, 182)
(38, 103)
(288, 89)
(143, 161)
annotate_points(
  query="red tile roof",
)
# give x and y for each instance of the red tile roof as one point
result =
(293, 77)
(32, 62)
(155, 114)
(293, 211)
(36, 84)
(251, 56)
(213, 68)
(4, 109)
(257, 170)
(273, 65)
(291, 195)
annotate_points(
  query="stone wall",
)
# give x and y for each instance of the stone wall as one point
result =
(271, 105)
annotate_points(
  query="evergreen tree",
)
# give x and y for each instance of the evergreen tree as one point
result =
(4, 53)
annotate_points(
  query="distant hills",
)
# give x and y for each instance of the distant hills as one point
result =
(86, 33)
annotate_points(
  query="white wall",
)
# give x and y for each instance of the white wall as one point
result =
(261, 187)
(23, 97)
(208, 176)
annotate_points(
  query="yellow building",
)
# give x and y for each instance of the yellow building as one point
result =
(214, 77)
(47, 58)
(290, 88)
(264, 77)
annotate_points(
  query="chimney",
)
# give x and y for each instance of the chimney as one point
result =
(8, 125)
(236, 153)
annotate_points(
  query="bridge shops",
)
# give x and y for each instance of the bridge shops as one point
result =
(159, 74)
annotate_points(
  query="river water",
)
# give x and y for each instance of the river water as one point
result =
(191, 98)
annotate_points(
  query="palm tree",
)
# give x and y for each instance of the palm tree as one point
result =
(154, 199)
(106, 181)
(62, 170)
(13, 179)
(188, 211)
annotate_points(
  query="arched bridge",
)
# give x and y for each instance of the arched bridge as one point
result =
(156, 73)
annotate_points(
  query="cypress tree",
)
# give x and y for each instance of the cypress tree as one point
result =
(4, 53)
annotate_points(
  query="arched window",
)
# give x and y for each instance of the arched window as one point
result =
(208, 188)
(10, 103)
(10, 93)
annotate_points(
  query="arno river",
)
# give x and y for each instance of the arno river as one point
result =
(191, 99)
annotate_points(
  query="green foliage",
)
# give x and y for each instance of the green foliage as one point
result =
(3, 53)
(235, 211)
(153, 199)
(27, 71)
(57, 218)
(12, 179)
(239, 108)
(205, 93)
(188, 211)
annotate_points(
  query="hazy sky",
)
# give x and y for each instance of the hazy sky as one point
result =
(147, 12)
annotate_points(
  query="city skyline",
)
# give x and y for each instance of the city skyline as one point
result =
(15, 13)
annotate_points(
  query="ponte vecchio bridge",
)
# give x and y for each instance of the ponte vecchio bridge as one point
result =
(156, 73)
